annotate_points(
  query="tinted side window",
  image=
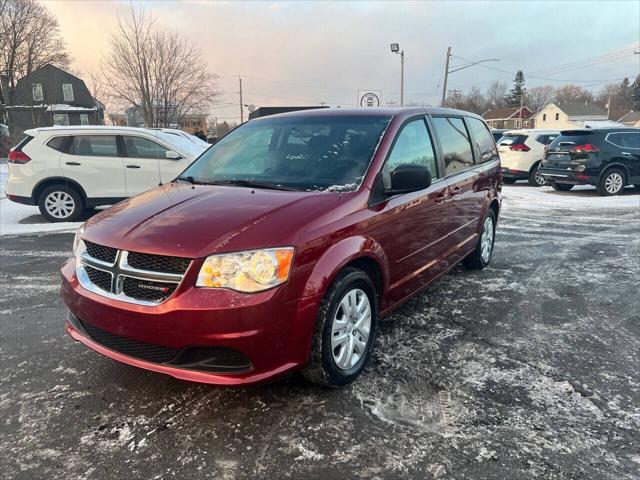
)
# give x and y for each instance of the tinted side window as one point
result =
(631, 140)
(546, 139)
(94, 146)
(455, 143)
(414, 147)
(138, 147)
(57, 143)
(483, 139)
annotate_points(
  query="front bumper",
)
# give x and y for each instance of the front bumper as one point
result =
(273, 335)
(567, 176)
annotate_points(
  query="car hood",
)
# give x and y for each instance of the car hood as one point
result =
(198, 220)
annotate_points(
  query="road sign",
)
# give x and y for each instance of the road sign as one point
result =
(369, 98)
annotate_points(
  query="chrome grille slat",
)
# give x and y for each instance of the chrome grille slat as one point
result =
(129, 284)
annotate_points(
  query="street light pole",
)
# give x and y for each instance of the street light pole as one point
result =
(446, 77)
(447, 71)
(395, 48)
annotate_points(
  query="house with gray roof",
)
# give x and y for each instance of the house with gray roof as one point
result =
(563, 116)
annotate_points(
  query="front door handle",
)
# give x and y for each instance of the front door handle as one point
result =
(73, 164)
(133, 166)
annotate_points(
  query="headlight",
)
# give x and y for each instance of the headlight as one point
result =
(78, 245)
(251, 271)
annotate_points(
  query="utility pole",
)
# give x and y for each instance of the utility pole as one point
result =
(446, 75)
(521, 105)
(402, 78)
(241, 107)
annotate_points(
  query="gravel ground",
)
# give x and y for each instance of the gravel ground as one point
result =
(528, 369)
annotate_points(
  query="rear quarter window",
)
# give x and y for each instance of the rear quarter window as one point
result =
(58, 143)
(513, 139)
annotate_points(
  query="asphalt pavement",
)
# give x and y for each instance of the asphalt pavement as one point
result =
(528, 369)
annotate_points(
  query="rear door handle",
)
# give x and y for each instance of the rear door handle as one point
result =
(626, 153)
(456, 191)
(74, 164)
(441, 197)
(133, 166)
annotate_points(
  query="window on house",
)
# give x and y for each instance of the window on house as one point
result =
(61, 119)
(557, 116)
(84, 119)
(37, 92)
(67, 92)
(456, 146)
(544, 117)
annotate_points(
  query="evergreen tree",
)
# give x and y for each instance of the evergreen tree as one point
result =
(635, 92)
(518, 91)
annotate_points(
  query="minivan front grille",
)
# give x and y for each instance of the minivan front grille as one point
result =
(158, 263)
(101, 252)
(132, 277)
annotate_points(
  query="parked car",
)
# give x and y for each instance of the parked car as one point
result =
(183, 134)
(521, 152)
(280, 247)
(608, 158)
(498, 133)
(65, 170)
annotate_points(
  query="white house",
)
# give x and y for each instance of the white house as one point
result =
(561, 116)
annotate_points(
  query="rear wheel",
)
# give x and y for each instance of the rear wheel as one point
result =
(535, 179)
(59, 203)
(612, 182)
(481, 255)
(345, 330)
(562, 187)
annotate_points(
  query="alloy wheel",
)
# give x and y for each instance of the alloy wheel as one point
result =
(486, 240)
(59, 204)
(351, 329)
(613, 183)
(540, 180)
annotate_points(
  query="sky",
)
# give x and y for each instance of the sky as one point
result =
(305, 53)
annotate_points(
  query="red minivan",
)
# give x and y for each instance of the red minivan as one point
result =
(282, 245)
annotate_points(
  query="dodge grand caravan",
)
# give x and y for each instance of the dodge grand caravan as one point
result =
(280, 247)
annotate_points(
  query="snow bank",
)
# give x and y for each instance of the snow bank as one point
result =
(16, 219)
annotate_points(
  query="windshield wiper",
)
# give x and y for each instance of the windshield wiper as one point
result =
(254, 184)
(192, 180)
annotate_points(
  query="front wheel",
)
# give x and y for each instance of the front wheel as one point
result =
(345, 330)
(535, 179)
(481, 255)
(561, 187)
(60, 203)
(612, 182)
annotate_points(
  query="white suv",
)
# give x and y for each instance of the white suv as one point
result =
(65, 170)
(521, 152)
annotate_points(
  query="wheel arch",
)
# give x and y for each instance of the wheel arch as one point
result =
(616, 164)
(50, 181)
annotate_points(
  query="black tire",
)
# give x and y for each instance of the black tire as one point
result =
(534, 179)
(561, 187)
(475, 260)
(73, 203)
(509, 181)
(637, 187)
(606, 186)
(322, 368)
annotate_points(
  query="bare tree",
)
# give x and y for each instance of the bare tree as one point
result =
(30, 38)
(496, 94)
(539, 97)
(573, 94)
(160, 72)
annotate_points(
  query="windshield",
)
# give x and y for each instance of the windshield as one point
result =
(301, 153)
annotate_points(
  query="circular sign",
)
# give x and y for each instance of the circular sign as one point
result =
(369, 99)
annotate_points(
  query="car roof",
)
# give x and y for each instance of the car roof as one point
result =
(530, 131)
(601, 129)
(370, 111)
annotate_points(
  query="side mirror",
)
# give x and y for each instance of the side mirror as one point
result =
(171, 155)
(409, 178)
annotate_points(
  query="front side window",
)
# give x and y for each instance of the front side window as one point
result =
(94, 146)
(455, 143)
(61, 119)
(310, 152)
(67, 92)
(138, 147)
(38, 96)
(631, 140)
(483, 139)
(413, 147)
